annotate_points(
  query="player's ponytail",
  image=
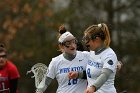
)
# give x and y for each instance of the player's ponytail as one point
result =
(106, 34)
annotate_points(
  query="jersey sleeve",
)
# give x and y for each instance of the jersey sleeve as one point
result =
(51, 70)
(13, 72)
(110, 61)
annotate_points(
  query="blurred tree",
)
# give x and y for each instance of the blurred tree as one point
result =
(28, 29)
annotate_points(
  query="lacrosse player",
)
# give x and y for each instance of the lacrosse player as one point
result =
(102, 61)
(60, 66)
(101, 66)
(9, 74)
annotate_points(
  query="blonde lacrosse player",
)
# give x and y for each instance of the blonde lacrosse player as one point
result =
(101, 67)
(102, 61)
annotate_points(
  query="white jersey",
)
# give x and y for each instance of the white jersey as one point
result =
(106, 59)
(59, 68)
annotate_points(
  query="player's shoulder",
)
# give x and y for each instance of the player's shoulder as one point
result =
(84, 53)
(56, 61)
(108, 52)
(57, 58)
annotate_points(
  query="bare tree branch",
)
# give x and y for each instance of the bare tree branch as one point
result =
(124, 6)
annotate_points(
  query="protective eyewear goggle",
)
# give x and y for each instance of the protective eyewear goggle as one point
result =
(86, 39)
(69, 42)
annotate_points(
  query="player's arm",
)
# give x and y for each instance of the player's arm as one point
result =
(75, 74)
(43, 85)
(101, 79)
(13, 85)
(82, 75)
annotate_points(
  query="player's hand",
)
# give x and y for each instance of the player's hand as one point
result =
(90, 90)
(72, 75)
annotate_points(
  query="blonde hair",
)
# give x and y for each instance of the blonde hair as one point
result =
(100, 30)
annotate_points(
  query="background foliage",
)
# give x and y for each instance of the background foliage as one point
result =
(29, 29)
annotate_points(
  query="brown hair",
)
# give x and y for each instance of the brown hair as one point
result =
(100, 30)
(61, 30)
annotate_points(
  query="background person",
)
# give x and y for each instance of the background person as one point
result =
(9, 74)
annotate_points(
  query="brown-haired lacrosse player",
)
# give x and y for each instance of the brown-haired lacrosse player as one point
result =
(60, 66)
